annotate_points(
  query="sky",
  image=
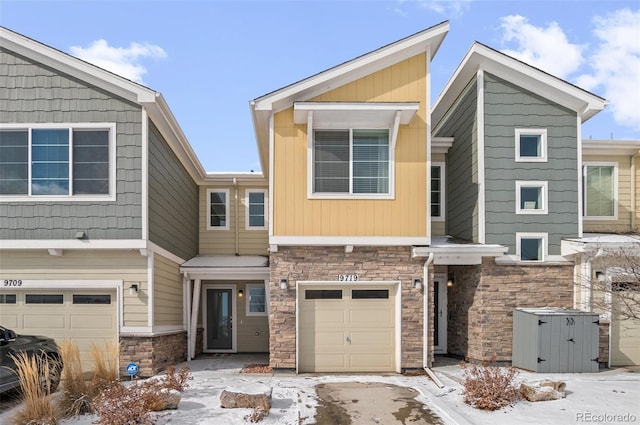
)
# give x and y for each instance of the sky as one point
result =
(209, 59)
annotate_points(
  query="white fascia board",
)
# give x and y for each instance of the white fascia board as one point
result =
(354, 69)
(75, 67)
(471, 250)
(528, 77)
(354, 114)
(227, 273)
(610, 147)
(22, 244)
(225, 178)
(349, 240)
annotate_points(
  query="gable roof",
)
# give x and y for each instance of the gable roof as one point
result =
(482, 57)
(93, 75)
(264, 106)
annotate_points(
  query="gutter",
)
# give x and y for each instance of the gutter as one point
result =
(425, 326)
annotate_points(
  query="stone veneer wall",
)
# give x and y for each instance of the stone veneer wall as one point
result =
(325, 264)
(483, 297)
(603, 346)
(153, 353)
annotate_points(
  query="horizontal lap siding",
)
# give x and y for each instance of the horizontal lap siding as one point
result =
(173, 200)
(508, 107)
(167, 292)
(296, 215)
(32, 93)
(128, 266)
(462, 167)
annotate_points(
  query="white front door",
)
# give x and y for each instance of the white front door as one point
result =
(440, 314)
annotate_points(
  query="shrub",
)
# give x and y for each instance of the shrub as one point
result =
(36, 383)
(489, 387)
(76, 399)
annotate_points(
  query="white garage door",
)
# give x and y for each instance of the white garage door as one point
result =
(346, 328)
(85, 317)
(625, 340)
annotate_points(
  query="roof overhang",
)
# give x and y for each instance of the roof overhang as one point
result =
(610, 147)
(263, 107)
(481, 57)
(227, 267)
(599, 244)
(447, 252)
(341, 115)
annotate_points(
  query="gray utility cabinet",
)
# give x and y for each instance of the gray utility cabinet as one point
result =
(552, 339)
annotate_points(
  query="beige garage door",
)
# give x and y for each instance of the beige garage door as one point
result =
(625, 342)
(346, 328)
(85, 317)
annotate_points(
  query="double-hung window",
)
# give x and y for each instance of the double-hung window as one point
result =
(531, 246)
(437, 191)
(256, 300)
(531, 145)
(218, 209)
(57, 162)
(531, 197)
(600, 187)
(351, 162)
(255, 209)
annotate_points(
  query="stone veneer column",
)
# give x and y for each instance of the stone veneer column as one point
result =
(152, 354)
(302, 263)
(482, 300)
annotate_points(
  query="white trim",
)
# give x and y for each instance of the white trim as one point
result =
(337, 115)
(542, 236)
(615, 165)
(265, 204)
(135, 331)
(543, 186)
(608, 147)
(73, 243)
(542, 133)
(234, 326)
(144, 173)
(580, 182)
(397, 284)
(443, 191)
(551, 260)
(480, 135)
(150, 292)
(350, 240)
(164, 253)
(441, 348)
(248, 287)
(70, 197)
(428, 140)
(271, 174)
(227, 205)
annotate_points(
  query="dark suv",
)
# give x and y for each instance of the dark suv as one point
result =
(12, 344)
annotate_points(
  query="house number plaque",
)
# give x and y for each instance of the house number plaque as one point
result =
(348, 277)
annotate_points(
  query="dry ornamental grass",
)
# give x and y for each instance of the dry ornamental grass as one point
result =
(489, 387)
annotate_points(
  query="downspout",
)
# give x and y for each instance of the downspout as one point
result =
(236, 209)
(425, 323)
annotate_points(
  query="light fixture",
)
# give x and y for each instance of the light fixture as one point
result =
(417, 283)
(133, 289)
(240, 293)
(450, 281)
(284, 283)
(600, 276)
(81, 235)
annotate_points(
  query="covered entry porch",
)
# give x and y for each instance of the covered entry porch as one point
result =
(226, 296)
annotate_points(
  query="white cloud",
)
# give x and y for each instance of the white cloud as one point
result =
(448, 8)
(119, 60)
(616, 65)
(545, 48)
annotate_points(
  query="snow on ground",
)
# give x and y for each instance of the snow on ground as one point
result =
(610, 392)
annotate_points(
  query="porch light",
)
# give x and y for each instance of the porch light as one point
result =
(133, 289)
(240, 293)
(417, 283)
(600, 276)
(284, 283)
(450, 281)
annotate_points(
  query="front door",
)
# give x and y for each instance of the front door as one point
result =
(219, 308)
(440, 315)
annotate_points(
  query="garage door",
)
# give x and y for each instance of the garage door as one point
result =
(85, 317)
(346, 329)
(625, 340)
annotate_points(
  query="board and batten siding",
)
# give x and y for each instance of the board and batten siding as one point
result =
(167, 292)
(462, 166)
(173, 200)
(297, 215)
(128, 266)
(507, 107)
(33, 93)
(625, 212)
(223, 242)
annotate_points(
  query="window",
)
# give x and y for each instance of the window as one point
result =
(351, 162)
(531, 145)
(363, 294)
(91, 299)
(437, 191)
(44, 299)
(531, 246)
(256, 300)
(57, 162)
(600, 197)
(7, 298)
(323, 294)
(218, 209)
(256, 202)
(531, 197)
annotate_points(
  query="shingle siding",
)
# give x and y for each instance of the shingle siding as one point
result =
(462, 168)
(32, 93)
(508, 107)
(173, 200)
